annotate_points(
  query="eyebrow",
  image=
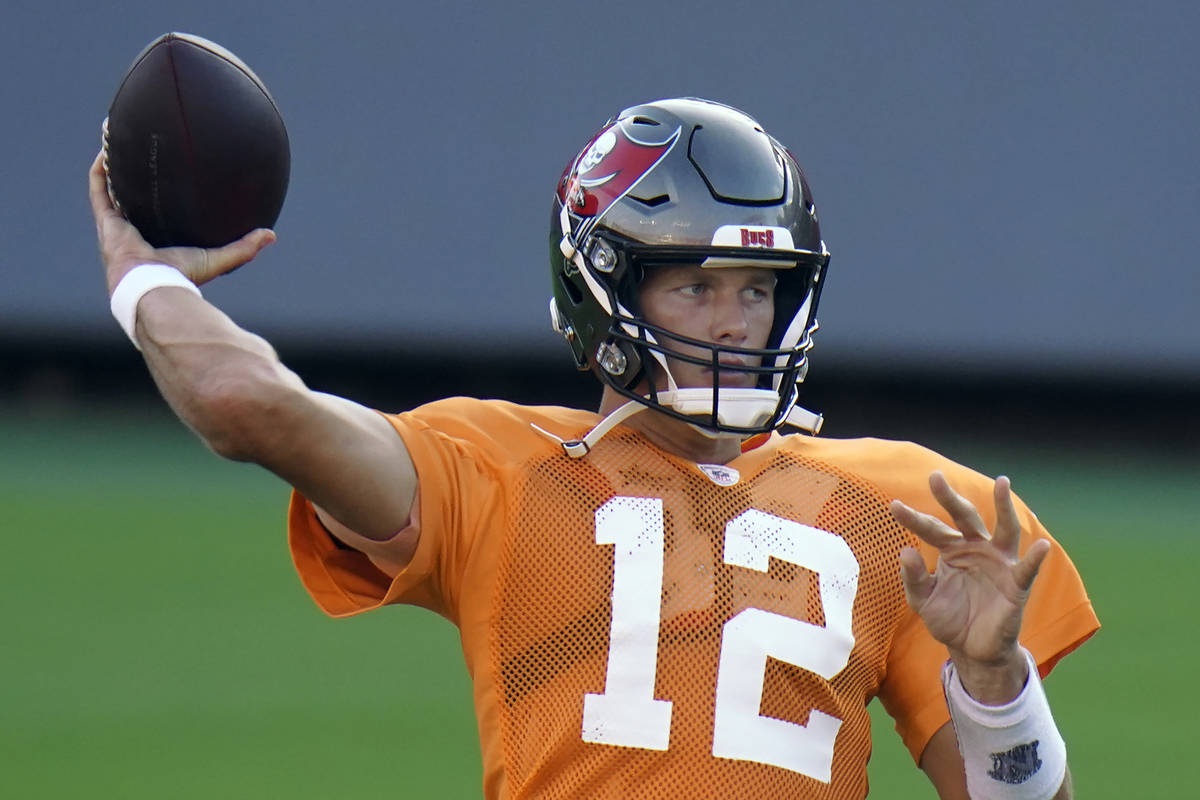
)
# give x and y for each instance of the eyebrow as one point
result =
(674, 272)
(769, 277)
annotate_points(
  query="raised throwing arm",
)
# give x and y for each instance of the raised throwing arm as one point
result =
(229, 386)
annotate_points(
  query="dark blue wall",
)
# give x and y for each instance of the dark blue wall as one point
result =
(998, 181)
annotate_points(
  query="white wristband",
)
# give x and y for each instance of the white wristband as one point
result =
(1010, 752)
(137, 282)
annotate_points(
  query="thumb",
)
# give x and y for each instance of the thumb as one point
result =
(237, 253)
(218, 261)
(918, 583)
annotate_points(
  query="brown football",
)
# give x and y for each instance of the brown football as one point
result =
(195, 148)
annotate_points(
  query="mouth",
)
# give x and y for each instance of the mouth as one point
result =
(733, 374)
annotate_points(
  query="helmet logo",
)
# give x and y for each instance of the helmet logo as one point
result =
(596, 153)
(607, 169)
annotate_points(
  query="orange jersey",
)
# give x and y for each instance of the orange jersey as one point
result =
(638, 626)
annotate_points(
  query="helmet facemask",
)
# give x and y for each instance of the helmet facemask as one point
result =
(635, 356)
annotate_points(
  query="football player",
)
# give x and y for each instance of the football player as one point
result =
(668, 597)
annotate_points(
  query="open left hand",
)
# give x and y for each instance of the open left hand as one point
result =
(974, 599)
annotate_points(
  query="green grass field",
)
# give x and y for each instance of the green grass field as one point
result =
(156, 643)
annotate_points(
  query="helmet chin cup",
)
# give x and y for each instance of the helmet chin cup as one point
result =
(735, 407)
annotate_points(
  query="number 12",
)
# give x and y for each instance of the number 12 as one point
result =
(628, 715)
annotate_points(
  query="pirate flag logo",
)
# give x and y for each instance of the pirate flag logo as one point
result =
(607, 169)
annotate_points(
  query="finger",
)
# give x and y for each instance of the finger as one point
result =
(965, 515)
(918, 583)
(1008, 525)
(1027, 568)
(98, 189)
(221, 260)
(927, 527)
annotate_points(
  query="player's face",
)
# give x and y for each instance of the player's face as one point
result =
(731, 306)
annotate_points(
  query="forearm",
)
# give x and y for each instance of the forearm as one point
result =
(943, 764)
(993, 683)
(1067, 790)
(998, 684)
(1011, 750)
(219, 379)
(229, 386)
(231, 389)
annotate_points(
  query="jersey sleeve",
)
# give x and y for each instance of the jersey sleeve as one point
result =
(1058, 618)
(457, 487)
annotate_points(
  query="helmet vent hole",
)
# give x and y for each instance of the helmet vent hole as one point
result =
(657, 200)
(645, 121)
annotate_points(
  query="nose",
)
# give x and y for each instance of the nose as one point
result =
(730, 319)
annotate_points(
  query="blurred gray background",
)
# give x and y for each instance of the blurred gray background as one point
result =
(1008, 188)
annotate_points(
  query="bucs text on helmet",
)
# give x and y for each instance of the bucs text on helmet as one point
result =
(686, 181)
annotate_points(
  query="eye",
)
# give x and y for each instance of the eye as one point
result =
(692, 289)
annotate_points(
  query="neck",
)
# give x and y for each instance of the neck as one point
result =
(673, 435)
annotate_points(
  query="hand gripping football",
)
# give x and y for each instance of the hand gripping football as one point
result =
(195, 149)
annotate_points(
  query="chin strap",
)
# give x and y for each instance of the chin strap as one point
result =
(578, 448)
(805, 420)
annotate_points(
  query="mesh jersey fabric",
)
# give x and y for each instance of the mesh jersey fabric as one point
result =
(606, 603)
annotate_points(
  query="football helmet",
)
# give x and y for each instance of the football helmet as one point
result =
(686, 181)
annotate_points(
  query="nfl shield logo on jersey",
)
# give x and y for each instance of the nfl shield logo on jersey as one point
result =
(720, 474)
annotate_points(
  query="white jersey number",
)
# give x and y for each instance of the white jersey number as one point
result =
(627, 714)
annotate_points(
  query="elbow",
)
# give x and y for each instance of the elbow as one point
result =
(239, 415)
